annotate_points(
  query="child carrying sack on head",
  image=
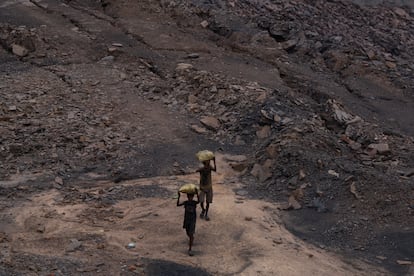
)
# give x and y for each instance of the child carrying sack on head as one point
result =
(190, 217)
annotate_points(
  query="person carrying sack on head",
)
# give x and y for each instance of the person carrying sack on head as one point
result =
(190, 216)
(206, 187)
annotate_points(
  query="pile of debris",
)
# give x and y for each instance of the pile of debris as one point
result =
(331, 35)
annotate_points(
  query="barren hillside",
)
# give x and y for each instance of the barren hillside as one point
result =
(309, 106)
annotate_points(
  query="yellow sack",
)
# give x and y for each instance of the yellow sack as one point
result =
(205, 155)
(188, 189)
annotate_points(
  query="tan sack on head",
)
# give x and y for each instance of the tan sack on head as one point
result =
(205, 155)
(188, 189)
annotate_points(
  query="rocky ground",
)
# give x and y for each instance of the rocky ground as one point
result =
(317, 95)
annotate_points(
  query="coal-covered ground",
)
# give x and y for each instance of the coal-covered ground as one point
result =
(318, 95)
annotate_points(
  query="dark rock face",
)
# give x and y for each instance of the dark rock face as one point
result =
(398, 3)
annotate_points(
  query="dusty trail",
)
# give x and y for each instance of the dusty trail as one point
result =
(244, 236)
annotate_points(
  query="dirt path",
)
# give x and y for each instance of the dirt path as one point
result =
(244, 236)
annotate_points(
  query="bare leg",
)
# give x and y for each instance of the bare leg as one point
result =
(203, 211)
(190, 244)
(206, 215)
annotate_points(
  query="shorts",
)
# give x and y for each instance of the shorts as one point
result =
(207, 194)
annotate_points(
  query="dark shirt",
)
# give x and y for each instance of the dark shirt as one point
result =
(205, 178)
(190, 215)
